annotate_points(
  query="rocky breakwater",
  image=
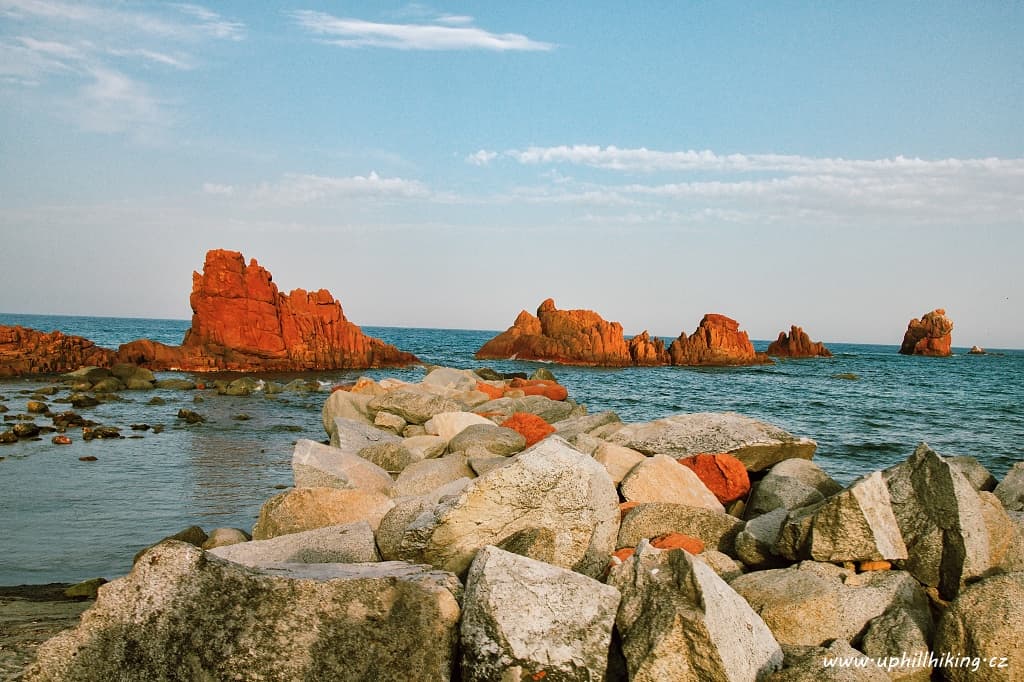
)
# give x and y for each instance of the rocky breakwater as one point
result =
(797, 344)
(241, 322)
(930, 335)
(429, 542)
(28, 351)
(582, 337)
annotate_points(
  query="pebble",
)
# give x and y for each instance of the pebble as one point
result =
(61, 440)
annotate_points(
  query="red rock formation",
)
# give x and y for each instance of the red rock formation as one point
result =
(797, 344)
(647, 352)
(931, 335)
(571, 337)
(28, 351)
(531, 427)
(674, 540)
(717, 341)
(241, 322)
(723, 474)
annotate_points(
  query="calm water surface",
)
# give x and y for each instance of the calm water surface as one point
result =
(62, 519)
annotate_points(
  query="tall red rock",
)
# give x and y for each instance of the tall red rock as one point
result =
(647, 352)
(571, 337)
(28, 351)
(716, 341)
(241, 322)
(797, 344)
(931, 335)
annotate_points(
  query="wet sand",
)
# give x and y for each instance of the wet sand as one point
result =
(30, 615)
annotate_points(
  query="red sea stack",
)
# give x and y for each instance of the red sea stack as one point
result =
(241, 322)
(28, 351)
(716, 341)
(723, 474)
(571, 337)
(797, 344)
(647, 352)
(931, 335)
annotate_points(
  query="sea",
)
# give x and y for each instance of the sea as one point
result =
(65, 520)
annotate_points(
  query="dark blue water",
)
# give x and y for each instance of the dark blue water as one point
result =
(62, 519)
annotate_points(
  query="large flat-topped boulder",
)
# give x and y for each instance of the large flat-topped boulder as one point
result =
(755, 443)
(182, 614)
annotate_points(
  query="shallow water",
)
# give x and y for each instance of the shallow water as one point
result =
(62, 519)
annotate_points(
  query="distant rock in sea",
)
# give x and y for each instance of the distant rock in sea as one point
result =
(582, 337)
(28, 351)
(797, 344)
(241, 322)
(977, 350)
(931, 335)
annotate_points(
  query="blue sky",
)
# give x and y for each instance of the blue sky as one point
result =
(844, 167)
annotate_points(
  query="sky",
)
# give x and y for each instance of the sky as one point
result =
(841, 166)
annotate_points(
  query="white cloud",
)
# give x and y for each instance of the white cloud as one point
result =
(482, 157)
(218, 189)
(303, 188)
(444, 34)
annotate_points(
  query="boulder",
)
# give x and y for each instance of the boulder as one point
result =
(617, 460)
(716, 341)
(352, 435)
(856, 524)
(223, 537)
(531, 428)
(984, 621)
(349, 543)
(302, 509)
(757, 444)
(447, 425)
(814, 603)
(680, 621)
(547, 486)
(413, 406)
(1005, 538)
(974, 471)
(450, 378)
(523, 618)
(797, 344)
(390, 533)
(496, 440)
(570, 337)
(724, 475)
(426, 446)
(241, 322)
(931, 335)
(183, 614)
(389, 422)
(315, 465)
(419, 478)
(392, 457)
(790, 484)
(941, 520)
(755, 543)
(838, 662)
(662, 479)
(570, 428)
(547, 409)
(717, 530)
(901, 638)
(1010, 490)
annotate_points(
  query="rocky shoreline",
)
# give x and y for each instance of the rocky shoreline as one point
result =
(478, 526)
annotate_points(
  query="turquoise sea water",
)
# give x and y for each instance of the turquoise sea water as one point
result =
(62, 519)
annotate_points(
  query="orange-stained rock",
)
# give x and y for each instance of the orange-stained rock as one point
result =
(931, 335)
(723, 474)
(874, 566)
(797, 344)
(530, 426)
(493, 392)
(241, 322)
(571, 337)
(716, 341)
(675, 540)
(625, 508)
(545, 387)
(28, 351)
(624, 553)
(647, 352)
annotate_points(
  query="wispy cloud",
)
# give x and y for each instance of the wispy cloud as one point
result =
(92, 62)
(446, 32)
(779, 188)
(295, 189)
